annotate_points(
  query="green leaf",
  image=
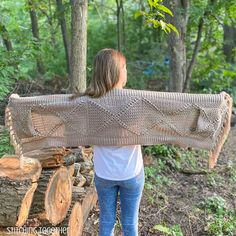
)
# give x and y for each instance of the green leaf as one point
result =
(161, 15)
(163, 229)
(150, 4)
(163, 24)
(173, 28)
(168, 28)
(138, 14)
(165, 9)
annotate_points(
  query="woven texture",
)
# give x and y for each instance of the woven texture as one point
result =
(120, 117)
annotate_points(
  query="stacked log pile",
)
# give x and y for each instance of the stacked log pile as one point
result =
(46, 192)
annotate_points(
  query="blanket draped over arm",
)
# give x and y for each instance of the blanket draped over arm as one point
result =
(120, 117)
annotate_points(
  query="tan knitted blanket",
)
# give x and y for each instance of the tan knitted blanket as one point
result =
(120, 117)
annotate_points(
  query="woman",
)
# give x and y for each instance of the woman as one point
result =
(119, 170)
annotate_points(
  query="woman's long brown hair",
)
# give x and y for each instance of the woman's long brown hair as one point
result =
(106, 73)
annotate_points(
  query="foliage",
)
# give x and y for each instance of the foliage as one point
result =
(214, 75)
(231, 171)
(7, 71)
(156, 16)
(174, 230)
(5, 146)
(155, 184)
(172, 157)
(220, 220)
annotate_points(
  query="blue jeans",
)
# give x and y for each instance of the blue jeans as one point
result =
(130, 196)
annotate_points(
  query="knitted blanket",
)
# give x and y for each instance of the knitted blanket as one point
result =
(120, 117)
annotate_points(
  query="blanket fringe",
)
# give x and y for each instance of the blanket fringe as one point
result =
(224, 131)
(13, 137)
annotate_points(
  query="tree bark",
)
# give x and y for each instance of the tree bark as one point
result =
(119, 8)
(123, 25)
(140, 30)
(197, 46)
(50, 22)
(35, 32)
(5, 37)
(18, 182)
(229, 42)
(177, 45)
(118, 25)
(78, 45)
(64, 32)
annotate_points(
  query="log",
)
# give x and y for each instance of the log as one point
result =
(21, 168)
(89, 202)
(78, 194)
(86, 167)
(75, 217)
(79, 180)
(89, 178)
(18, 182)
(54, 157)
(87, 153)
(72, 222)
(76, 169)
(75, 225)
(52, 198)
(78, 153)
(71, 170)
(78, 213)
(58, 196)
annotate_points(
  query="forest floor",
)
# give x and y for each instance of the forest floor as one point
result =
(189, 204)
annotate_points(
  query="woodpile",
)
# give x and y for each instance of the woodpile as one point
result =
(46, 192)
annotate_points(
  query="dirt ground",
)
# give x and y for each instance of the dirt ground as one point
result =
(178, 203)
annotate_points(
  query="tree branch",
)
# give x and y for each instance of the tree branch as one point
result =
(194, 56)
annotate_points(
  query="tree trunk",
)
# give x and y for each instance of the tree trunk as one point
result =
(123, 25)
(194, 56)
(35, 32)
(78, 45)
(197, 46)
(66, 41)
(140, 30)
(50, 22)
(18, 182)
(5, 37)
(118, 23)
(229, 42)
(177, 44)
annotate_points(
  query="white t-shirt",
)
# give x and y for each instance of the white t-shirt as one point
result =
(117, 162)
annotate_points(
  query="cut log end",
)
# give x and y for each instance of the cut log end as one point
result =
(58, 196)
(25, 206)
(89, 202)
(17, 168)
(75, 226)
